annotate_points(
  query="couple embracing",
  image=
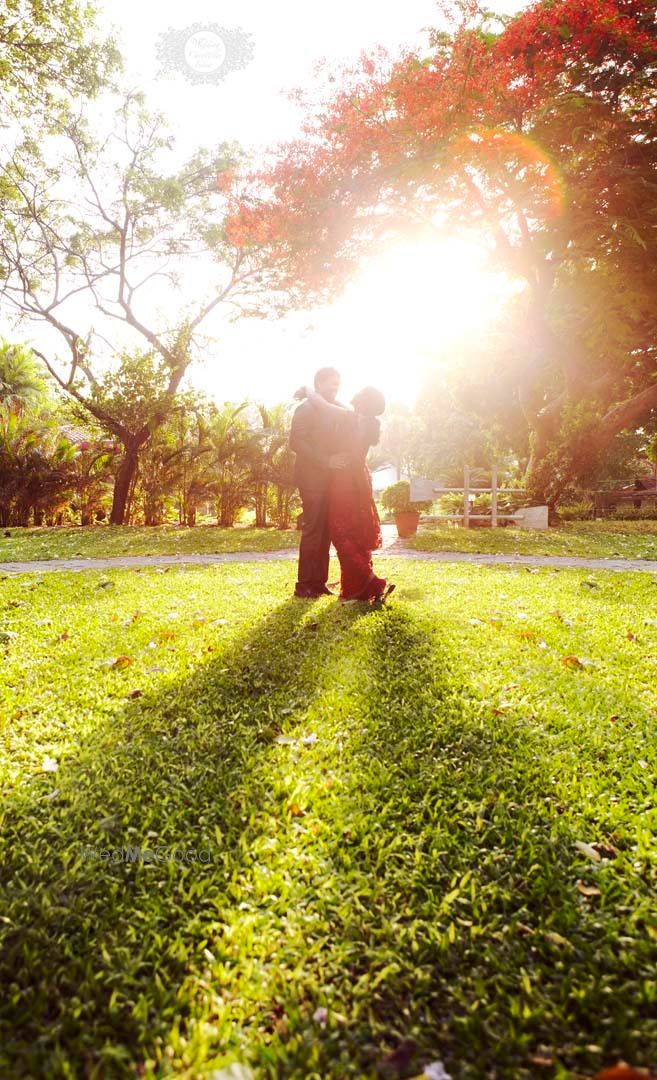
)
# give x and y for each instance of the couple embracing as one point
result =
(331, 444)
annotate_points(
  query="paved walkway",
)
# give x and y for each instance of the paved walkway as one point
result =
(392, 547)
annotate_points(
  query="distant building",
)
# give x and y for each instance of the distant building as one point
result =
(84, 441)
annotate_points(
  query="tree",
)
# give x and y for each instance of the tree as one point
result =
(22, 385)
(401, 435)
(49, 50)
(270, 439)
(36, 467)
(128, 221)
(232, 441)
(539, 130)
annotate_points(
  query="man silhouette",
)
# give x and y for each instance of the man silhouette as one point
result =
(312, 438)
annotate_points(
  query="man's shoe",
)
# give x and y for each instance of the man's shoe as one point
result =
(325, 591)
(306, 594)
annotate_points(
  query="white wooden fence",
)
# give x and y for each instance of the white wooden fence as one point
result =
(530, 517)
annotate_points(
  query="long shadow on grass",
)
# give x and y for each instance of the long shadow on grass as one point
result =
(473, 941)
(95, 951)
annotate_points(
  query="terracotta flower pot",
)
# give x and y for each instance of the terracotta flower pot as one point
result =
(407, 522)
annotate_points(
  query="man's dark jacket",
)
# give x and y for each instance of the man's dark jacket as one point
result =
(313, 438)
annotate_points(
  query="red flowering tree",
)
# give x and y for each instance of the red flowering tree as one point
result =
(542, 132)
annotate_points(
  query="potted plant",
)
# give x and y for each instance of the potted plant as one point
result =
(397, 499)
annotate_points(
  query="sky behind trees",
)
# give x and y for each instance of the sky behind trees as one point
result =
(265, 358)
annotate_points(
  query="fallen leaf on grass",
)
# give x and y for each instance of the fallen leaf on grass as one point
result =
(236, 1071)
(574, 662)
(587, 890)
(122, 662)
(49, 764)
(543, 1061)
(295, 810)
(135, 617)
(608, 851)
(291, 740)
(557, 939)
(588, 850)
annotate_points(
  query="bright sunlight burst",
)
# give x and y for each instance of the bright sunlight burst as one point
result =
(409, 304)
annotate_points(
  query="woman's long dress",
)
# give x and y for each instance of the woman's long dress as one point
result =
(353, 518)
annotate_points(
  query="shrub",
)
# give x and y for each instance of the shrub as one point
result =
(397, 499)
(576, 511)
(634, 513)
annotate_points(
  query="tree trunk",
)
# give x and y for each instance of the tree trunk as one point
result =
(122, 484)
(261, 505)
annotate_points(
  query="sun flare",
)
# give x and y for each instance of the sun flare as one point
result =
(406, 308)
(401, 318)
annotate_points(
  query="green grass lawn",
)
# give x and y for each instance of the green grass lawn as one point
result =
(428, 832)
(104, 541)
(588, 539)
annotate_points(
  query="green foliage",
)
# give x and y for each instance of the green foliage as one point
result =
(133, 392)
(646, 512)
(36, 466)
(49, 50)
(22, 385)
(574, 464)
(576, 511)
(397, 498)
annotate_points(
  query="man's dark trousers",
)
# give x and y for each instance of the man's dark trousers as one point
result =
(313, 440)
(315, 540)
